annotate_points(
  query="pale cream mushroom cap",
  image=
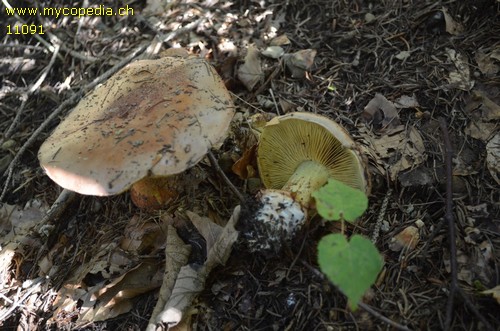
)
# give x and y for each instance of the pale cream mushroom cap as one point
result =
(152, 118)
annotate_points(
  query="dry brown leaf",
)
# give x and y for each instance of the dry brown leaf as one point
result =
(300, 62)
(464, 272)
(190, 281)
(103, 302)
(245, 166)
(403, 55)
(123, 277)
(143, 236)
(381, 112)
(17, 227)
(250, 72)
(20, 219)
(206, 227)
(493, 157)
(108, 262)
(481, 107)
(402, 149)
(460, 77)
(177, 255)
(484, 112)
(419, 176)
(280, 40)
(473, 265)
(480, 130)
(495, 292)
(452, 26)
(273, 52)
(406, 101)
(486, 61)
(407, 239)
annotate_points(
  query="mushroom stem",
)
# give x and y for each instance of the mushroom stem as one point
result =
(307, 178)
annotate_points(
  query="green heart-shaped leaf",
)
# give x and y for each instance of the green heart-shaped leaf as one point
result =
(352, 266)
(337, 200)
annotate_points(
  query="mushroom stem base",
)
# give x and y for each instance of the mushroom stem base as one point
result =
(307, 178)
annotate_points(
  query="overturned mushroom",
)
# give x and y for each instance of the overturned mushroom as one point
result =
(297, 154)
(153, 118)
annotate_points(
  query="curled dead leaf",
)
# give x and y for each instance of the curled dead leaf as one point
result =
(274, 52)
(486, 61)
(300, 62)
(143, 236)
(280, 40)
(406, 239)
(245, 166)
(406, 101)
(177, 255)
(250, 72)
(107, 300)
(191, 280)
(495, 292)
(460, 77)
(452, 26)
(381, 112)
(481, 107)
(399, 149)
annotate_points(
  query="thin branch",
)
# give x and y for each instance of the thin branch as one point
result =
(26, 95)
(382, 317)
(454, 289)
(221, 173)
(451, 222)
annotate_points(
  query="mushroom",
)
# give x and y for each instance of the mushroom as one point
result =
(153, 118)
(296, 156)
(299, 152)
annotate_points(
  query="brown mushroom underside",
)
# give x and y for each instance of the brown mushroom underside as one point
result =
(153, 118)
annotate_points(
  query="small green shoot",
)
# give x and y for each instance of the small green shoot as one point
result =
(352, 265)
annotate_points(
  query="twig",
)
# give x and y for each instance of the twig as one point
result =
(451, 222)
(33, 287)
(25, 96)
(221, 173)
(382, 317)
(261, 88)
(59, 206)
(454, 289)
(188, 27)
